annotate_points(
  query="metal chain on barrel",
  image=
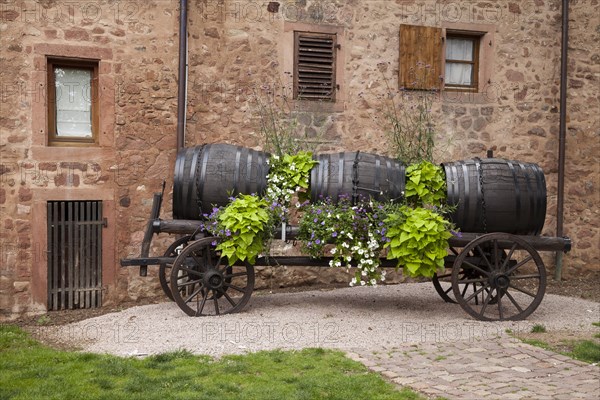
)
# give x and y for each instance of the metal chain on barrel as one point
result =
(483, 209)
(355, 180)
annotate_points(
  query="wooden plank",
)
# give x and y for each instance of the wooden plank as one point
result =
(99, 263)
(69, 290)
(63, 255)
(94, 247)
(420, 46)
(86, 264)
(49, 239)
(77, 255)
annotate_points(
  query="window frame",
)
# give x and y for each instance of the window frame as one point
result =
(421, 44)
(476, 38)
(53, 139)
(297, 95)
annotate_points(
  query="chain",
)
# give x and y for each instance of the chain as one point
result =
(355, 180)
(480, 173)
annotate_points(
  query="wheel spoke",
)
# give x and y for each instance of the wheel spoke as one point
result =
(475, 267)
(233, 303)
(216, 301)
(239, 289)
(447, 291)
(201, 307)
(194, 293)
(191, 271)
(531, 276)
(478, 280)
(476, 293)
(485, 302)
(188, 283)
(496, 255)
(499, 305)
(519, 265)
(512, 299)
(510, 253)
(233, 275)
(453, 250)
(444, 276)
(485, 258)
(522, 290)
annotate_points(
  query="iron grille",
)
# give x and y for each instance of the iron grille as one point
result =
(74, 254)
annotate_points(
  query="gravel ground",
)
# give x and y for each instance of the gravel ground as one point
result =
(349, 318)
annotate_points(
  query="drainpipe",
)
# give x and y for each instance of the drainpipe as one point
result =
(182, 83)
(562, 134)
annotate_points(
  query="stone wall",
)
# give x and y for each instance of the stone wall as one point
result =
(240, 48)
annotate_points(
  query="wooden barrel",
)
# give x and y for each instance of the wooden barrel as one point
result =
(357, 175)
(207, 175)
(496, 195)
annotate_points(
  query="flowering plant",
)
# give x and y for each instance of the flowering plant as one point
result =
(350, 234)
(287, 175)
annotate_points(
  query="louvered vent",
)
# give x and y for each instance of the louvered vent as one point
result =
(315, 66)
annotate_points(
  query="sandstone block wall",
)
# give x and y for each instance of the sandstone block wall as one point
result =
(240, 48)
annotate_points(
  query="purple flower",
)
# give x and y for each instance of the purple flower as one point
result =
(334, 234)
(318, 241)
(214, 243)
(456, 233)
(316, 220)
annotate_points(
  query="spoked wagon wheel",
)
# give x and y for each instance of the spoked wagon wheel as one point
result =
(164, 271)
(510, 284)
(442, 282)
(203, 284)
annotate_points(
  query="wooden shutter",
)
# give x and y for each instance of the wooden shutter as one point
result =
(314, 77)
(420, 46)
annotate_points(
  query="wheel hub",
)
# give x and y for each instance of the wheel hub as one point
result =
(213, 279)
(500, 281)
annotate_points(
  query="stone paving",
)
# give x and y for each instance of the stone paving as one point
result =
(500, 368)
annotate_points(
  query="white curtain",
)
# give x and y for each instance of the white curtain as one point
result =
(459, 50)
(73, 102)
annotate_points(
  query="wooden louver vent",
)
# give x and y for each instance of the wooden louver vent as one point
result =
(314, 77)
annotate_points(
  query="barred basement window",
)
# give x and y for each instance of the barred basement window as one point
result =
(72, 102)
(314, 66)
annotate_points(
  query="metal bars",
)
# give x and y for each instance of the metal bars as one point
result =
(74, 254)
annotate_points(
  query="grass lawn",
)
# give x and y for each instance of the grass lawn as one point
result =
(30, 370)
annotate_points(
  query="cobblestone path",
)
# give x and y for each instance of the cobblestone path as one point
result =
(500, 368)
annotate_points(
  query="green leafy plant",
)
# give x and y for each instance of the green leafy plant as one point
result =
(418, 240)
(425, 184)
(538, 328)
(243, 226)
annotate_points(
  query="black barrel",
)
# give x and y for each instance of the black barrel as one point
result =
(356, 174)
(207, 175)
(496, 195)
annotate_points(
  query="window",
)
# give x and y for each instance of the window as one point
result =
(462, 62)
(315, 66)
(72, 102)
(451, 58)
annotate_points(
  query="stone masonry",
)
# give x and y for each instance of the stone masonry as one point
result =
(238, 49)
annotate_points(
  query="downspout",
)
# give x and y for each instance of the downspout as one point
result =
(182, 82)
(562, 134)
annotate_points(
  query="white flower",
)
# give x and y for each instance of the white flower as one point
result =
(362, 283)
(373, 282)
(333, 251)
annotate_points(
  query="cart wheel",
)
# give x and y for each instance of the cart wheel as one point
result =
(164, 271)
(506, 285)
(442, 282)
(203, 284)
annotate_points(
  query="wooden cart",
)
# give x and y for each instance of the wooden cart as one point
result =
(492, 276)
